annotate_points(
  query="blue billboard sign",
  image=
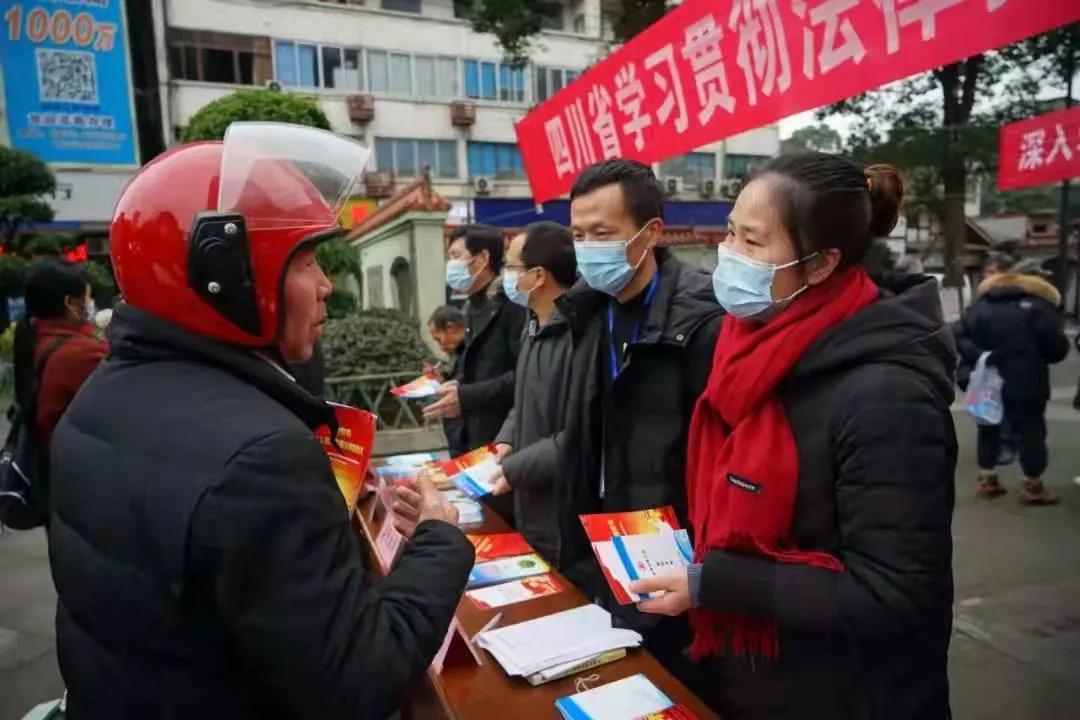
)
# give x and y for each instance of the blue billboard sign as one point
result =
(67, 81)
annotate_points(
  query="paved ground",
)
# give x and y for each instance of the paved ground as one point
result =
(1015, 651)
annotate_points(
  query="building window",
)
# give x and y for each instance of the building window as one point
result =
(409, 6)
(500, 160)
(551, 80)
(406, 157)
(579, 24)
(693, 168)
(551, 15)
(493, 81)
(400, 74)
(219, 57)
(297, 63)
(378, 70)
(739, 166)
(340, 68)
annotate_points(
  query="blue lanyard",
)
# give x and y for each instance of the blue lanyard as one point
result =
(649, 295)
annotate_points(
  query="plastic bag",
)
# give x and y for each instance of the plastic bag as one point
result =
(983, 398)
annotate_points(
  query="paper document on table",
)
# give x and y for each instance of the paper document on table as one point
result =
(535, 645)
(625, 699)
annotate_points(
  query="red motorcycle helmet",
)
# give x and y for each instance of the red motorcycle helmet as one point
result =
(202, 235)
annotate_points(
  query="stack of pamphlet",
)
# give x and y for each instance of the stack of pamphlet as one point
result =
(556, 641)
(627, 699)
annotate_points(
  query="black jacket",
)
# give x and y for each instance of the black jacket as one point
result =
(638, 429)
(203, 556)
(485, 369)
(1016, 318)
(868, 405)
(534, 430)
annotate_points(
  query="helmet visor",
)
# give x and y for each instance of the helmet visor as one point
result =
(288, 176)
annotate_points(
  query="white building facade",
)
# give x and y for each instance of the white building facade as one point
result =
(411, 79)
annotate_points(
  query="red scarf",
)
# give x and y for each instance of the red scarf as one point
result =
(742, 466)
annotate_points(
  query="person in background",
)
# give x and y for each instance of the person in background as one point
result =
(1017, 318)
(540, 267)
(201, 549)
(482, 391)
(55, 349)
(820, 464)
(648, 325)
(447, 327)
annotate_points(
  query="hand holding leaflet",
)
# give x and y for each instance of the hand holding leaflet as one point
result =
(631, 546)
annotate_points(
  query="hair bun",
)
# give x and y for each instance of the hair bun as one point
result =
(886, 187)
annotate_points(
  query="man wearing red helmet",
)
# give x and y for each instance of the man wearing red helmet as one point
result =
(200, 547)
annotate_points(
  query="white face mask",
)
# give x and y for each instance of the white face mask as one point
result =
(743, 286)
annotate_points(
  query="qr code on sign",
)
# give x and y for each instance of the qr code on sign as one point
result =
(67, 76)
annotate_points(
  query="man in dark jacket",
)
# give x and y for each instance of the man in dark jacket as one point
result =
(447, 327)
(482, 391)
(649, 326)
(540, 267)
(1017, 319)
(201, 549)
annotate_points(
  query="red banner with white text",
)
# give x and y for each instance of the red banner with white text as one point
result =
(1040, 150)
(712, 68)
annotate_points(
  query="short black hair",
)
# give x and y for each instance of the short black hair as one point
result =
(827, 201)
(445, 316)
(551, 246)
(641, 191)
(482, 237)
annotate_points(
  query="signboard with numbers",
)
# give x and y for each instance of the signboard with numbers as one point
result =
(1039, 150)
(712, 68)
(67, 81)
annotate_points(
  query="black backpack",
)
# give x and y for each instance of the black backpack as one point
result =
(24, 482)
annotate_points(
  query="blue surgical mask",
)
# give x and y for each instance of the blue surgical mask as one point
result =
(743, 287)
(510, 280)
(603, 264)
(458, 276)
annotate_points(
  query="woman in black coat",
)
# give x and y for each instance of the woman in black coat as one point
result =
(820, 464)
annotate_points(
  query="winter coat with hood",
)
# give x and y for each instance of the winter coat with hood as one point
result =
(868, 405)
(1016, 318)
(636, 436)
(203, 555)
(534, 430)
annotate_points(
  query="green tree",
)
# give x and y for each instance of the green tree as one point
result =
(46, 245)
(102, 284)
(515, 23)
(211, 121)
(12, 278)
(24, 182)
(819, 137)
(941, 127)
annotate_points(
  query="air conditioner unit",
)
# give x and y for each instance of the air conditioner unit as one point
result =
(272, 85)
(731, 188)
(483, 184)
(672, 185)
(361, 108)
(707, 188)
(462, 114)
